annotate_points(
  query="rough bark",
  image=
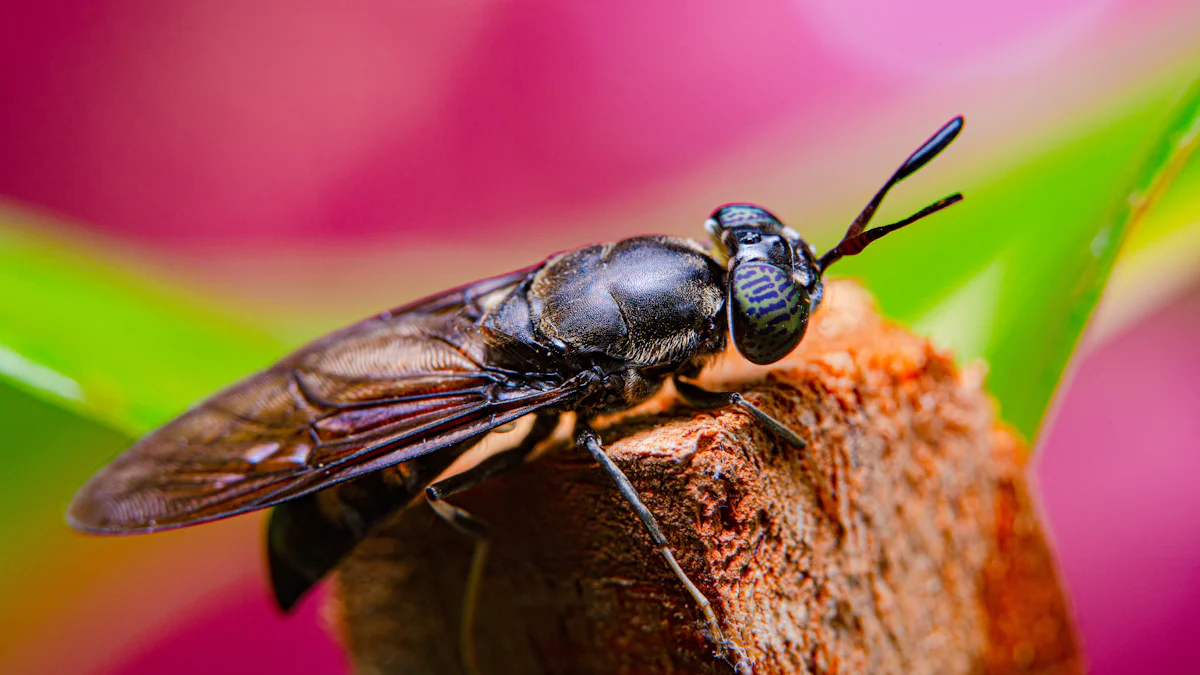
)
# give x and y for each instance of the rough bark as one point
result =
(902, 540)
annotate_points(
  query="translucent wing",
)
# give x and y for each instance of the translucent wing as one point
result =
(382, 391)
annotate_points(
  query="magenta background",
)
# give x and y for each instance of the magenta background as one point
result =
(1118, 478)
(210, 122)
(212, 126)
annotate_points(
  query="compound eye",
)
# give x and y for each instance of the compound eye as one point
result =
(768, 311)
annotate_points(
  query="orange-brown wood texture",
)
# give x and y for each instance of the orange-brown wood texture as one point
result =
(902, 540)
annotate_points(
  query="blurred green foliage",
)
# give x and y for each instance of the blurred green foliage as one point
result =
(39, 450)
(110, 344)
(1013, 274)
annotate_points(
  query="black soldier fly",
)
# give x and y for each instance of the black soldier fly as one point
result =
(593, 330)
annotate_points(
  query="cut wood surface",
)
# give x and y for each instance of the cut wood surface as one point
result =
(902, 540)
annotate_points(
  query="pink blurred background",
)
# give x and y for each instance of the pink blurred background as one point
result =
(316, 161)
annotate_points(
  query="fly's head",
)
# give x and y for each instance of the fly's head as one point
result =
(772, 280)
(773, 276)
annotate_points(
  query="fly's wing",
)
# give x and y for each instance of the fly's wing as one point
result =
(385, 390)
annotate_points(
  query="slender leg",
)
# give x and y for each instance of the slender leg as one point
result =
(698, 397)
(587, 438)
(476, 529)
(543, 426)
(480, 533)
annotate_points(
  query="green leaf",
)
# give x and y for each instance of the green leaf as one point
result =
(84, 333)
(49, 453)
(1014, 273)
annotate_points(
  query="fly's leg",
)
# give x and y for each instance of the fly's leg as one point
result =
(480, 533)
(587, 438)
(476, 529)
(543, 426)
(699, 397)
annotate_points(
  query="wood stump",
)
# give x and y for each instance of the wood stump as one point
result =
(903, 540)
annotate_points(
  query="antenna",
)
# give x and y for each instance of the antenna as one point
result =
(855, 240)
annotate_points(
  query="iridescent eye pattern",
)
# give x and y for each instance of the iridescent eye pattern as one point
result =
(768, 311)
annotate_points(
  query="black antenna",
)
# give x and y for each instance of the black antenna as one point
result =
(855, 240)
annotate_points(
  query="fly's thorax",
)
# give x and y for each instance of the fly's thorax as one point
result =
(647, 301)
(621, 389)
